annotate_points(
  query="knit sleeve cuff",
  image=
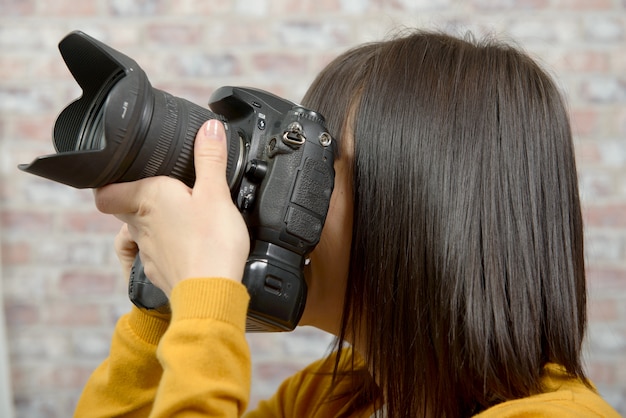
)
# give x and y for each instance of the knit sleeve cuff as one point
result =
(210, 298)
(150, 328)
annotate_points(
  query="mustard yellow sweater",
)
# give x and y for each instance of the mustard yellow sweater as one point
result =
(198, 365)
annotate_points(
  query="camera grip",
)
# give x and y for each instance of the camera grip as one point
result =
(143, 293)
(275, 281)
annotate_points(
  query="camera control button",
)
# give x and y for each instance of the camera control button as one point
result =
(256, 170)
(247, 201)
(273, 285)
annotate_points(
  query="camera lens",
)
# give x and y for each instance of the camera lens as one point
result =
(121, 128)
(154, 131)
(93, 138)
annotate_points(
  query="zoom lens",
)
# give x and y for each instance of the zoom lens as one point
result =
(121, 128)
(93, 137)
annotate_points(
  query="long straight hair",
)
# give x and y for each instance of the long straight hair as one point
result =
(467, 269)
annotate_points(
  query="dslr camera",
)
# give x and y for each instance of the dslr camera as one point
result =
(280, 166)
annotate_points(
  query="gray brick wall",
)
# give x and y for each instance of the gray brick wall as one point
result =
(62, 287)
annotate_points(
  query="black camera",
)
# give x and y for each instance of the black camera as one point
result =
(280, 166)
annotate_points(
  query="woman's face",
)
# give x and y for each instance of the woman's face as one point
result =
(327, 273)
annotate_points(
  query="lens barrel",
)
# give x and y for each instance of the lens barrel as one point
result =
(121, 128)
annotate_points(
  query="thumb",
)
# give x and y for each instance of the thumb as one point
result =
(210, 156)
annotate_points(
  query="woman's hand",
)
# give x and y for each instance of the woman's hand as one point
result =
(182, 233)
(126, 250)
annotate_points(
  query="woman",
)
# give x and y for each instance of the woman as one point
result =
(450, 266)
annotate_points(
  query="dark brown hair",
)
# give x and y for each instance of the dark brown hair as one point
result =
(467, 271)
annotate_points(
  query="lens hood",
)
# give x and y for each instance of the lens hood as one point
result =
(116, 92)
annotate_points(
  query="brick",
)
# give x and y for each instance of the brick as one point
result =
(61, 375)
(89, 253)
(307, 343)
(509, 4)
(15, 153)
(20, 37)
(310, 7)
(21, 314)
(620, 122)
(605, 29)
(584, 121)
(276, 371)
(74, 283)
(591, 61)
(312, 34)
(596, 184)
(27, 344)
(120, 36)
(606, 216)
(17, 8)
(607, 342)
(137, 7)
(264, 343)
(621, 377)
(355, 6)
(174, 34)
(533, 31)
(604, 247)
(26, 100)
(15, 253)
(221, 35)
(5, 192)
(68, 8)
(205, 65)
(113, 312)
(30, 284)
(603, 310)
(605, 89)
(279, 64)
(33, 127)
(205, 8)
(583, 5)
(13, 66)
(89, 222)
(601, 373)
(45, 404)
(258, 8)
(618, 62)
(19, 380)
(612, 153)
(20, 222)
(415, 6)
(606, 278)
(66, 314)
(89, 344)
(587, 153)
(42, 192)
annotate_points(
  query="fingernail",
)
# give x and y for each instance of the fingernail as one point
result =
(212, 129)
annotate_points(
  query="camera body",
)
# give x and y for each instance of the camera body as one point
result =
(280, 166)
(283, 194)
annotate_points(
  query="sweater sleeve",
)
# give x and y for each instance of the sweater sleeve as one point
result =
(125, 384)
(196, 364)
(204, 353)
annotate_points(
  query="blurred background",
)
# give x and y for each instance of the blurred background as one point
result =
(62, 290)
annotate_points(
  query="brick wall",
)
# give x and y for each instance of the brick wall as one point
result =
(62, 287)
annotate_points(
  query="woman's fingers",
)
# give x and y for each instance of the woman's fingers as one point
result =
(210, 158)
(126, 249)
(119, 198)
(181, 232)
